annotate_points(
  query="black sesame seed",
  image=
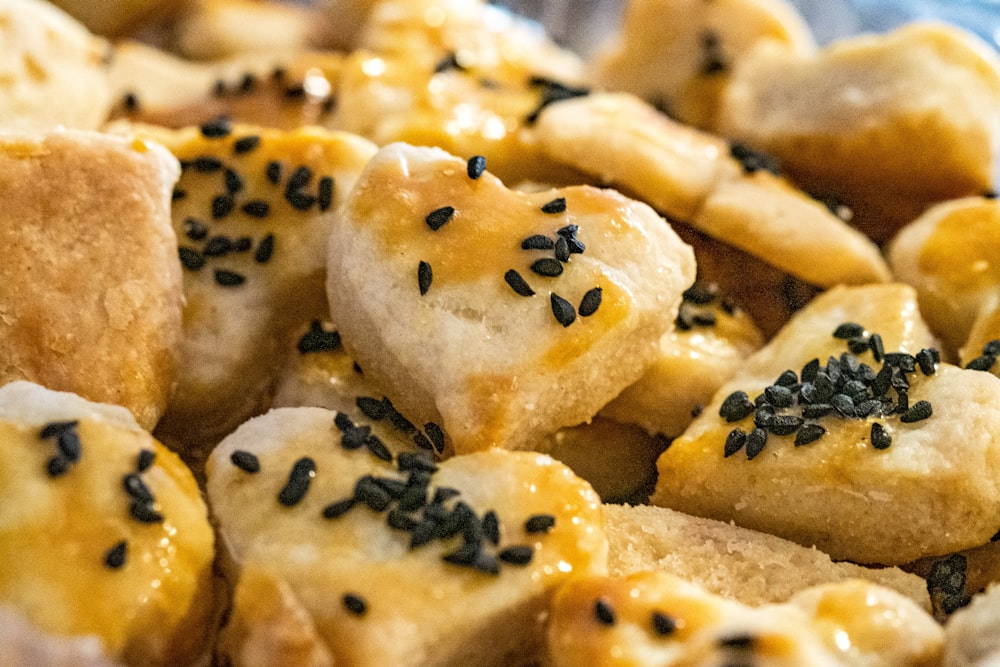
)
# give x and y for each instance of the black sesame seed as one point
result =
(539, 523)
(878, 348)
(242, 244)
(713, 61)
(591, 302)
(373, 408)
(136, 488)
(562, 310)
(378, 448)
(144, 512)
(557, 205)
(195, 229)
(245, 461)
(982, 363)
(518, 283)
(439, 217)
(265, 249)
(436, 436)
(256, 208)
(144, 460)
(191, 259)
(880, 439)
(547, 267)
(229, 278)
(603, 612)
(57, 465)
(787, 379)
(737, 642)
(538, 242)
(475, 166)
(785, 424)
(369, 492)
(115, 556)
(663, 625)
(816, 410)
(178, 194)
(734, 442)
(491, 527)
(68, 443)
(298, 482)
(299, 178)
(56, 429)
(753, 161)
(917, 412)
(246, 144)
(849, 330)
(562, 249)
(516, 555)
(339, 508)
(355, 604)
(130, 102)
(318, 340)
(844, 405)
(206, 164)
(756, 439)
(325, 193)
(736, 406)
(809, 371)
(779, 396)
(299, 200)
(217, 128)
(217, 246)
(809, 433)
(222, 205)
(424, 276)
(248, 82)
(415, 462)
(927, 360)
(273, 172)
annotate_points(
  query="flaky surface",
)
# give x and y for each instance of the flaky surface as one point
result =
(157, 604)
(657, 619)
(848, 491)
(418, 608)
(53, 71)
(241, 304)
(750, 566)
(493, 366)
(91, 299)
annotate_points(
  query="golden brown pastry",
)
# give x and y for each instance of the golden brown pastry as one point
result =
(726, 191)
(53, 71)
(113, 18)
(677, 55)
(846, 432)
(710, 339)
(252, 213)
(886, 123)
(947, 258)
(103, 532)
(655, 619)
(500, 315)
(382, 557)
(971, 633)
(214, 29)
(737, 563)
(91, 298)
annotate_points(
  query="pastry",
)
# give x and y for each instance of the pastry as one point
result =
(971, 633)
(851, 437)
(90, 267)
(215, 29)
(103, 532)
(391, 558)
(502, 316)
(252, 212)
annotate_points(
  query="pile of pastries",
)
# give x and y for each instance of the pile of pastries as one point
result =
(392, 332)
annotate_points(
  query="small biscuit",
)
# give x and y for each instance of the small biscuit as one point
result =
(90, 268)
(678, 55)
(395, 559)
(710, 339)
(215, 29)
(866, 452)
(53, 71)
(133, 531)
(723, 190)
(252, 213)
(888, 123)
(655, 618)
(972, 634)
(947, 258)
(501, 315)
(737, 563)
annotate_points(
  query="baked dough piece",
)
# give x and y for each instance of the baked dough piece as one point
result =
(891, 446)
(214, 29)
(22, 643)
(888, 123)
(972, 634)
(272, 89)
(103, 531)
(52, 70)
(737, 563)
(252, 213)
(91, 297)
(710, 339)
(497, 352)
(114, 19)
(655, 619)
(678, 55)
(946, 256)
(377, 593)
(721, 190)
